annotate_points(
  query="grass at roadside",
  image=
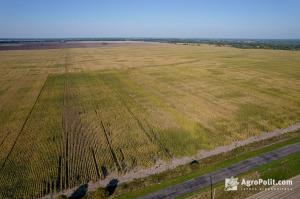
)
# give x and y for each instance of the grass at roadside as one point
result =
(153, 183)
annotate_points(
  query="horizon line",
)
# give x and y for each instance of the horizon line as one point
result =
(133, 38)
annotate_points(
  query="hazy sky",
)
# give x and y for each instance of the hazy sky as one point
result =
(150, 18)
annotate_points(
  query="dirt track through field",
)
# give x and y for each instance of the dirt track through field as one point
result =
(166, 165)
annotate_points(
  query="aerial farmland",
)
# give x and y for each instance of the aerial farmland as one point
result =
(75, 115)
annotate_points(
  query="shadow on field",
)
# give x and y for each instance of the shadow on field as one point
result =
(104, 171)
(80, 192)
(111, 186)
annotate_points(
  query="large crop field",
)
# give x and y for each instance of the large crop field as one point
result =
(69, 116)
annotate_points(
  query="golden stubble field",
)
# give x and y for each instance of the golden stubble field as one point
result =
(68, 116)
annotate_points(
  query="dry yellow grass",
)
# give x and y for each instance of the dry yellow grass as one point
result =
(71, 115)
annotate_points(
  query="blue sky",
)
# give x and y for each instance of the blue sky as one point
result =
(150, 18)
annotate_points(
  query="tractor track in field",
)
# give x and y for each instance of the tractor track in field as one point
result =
(95, 163)
(107, 132)
(65, 134)
(71, 126)
(152, 138)
(72, 130)
(147, 129)
(112, 152)
(102, 127)
(77, 150)
(162, 166)
(11, 93)
(24, 124)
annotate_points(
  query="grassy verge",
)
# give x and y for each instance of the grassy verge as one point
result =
(155, 182)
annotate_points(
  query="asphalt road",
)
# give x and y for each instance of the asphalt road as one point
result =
(220, 175)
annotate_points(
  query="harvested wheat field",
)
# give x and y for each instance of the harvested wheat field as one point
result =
(73, 115)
